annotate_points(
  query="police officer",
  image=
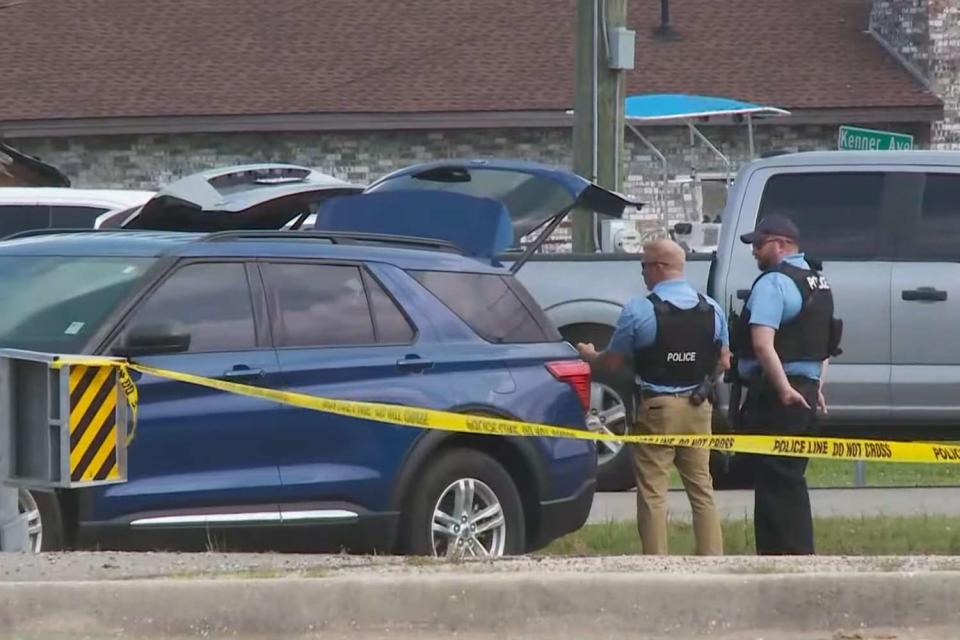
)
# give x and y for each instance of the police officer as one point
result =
(677, 338)
(782, 342)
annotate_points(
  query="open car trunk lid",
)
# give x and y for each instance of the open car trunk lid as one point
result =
(531, 196)
(262, 196)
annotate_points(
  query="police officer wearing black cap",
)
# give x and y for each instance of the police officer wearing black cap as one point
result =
(782, 342)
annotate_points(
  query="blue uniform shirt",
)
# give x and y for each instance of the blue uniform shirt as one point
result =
(776, 299)
(637, 325)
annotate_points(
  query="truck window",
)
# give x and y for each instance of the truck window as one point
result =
(936, 235)
(838, 214)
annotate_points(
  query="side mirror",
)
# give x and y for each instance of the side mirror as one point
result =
(153, 338)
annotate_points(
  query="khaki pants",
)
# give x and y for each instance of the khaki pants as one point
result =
(667, 415)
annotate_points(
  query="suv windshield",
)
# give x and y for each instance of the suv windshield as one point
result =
(54, 303)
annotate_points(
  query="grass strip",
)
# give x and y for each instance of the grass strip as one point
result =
(855, 536)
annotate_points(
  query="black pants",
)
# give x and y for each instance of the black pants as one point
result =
(783, 523)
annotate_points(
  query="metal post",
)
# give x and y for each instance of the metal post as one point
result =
(13, 526)
(750, 134)
(35, 426)
(859, 473)
(663, 162)
(696, 132)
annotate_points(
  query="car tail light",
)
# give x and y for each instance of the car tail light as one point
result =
(576, 373)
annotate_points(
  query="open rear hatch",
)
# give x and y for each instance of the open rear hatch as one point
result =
(531, 196)
(483, 206)
(262, 196)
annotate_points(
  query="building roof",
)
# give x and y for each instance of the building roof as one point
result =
(95, 59)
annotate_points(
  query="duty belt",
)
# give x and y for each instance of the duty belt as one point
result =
(649, 394)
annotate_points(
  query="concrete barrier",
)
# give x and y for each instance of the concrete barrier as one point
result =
(571, 604)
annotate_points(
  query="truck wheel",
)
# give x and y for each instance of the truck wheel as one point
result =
(611, 411)
(465, 504)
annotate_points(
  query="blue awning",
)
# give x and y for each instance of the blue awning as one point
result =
(677, 106)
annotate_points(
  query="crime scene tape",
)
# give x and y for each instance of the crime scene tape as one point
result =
(792, 446)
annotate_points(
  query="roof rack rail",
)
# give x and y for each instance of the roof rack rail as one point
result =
(55, 230)
(335, 237)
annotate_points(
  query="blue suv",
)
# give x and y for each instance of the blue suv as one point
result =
(335, 311)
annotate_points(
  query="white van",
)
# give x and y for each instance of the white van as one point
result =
(25, 208)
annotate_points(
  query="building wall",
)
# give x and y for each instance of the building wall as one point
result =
(150, 161)
(905, 26)
(926, 33)
(944, 18)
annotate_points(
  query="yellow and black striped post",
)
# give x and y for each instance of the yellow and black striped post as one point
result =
(93, 424)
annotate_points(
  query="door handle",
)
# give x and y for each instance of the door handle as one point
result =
(743, 294)
(242, 372)
(414, 363)
(923, 294)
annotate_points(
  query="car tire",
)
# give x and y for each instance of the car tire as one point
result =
(614, 468)
(44, 520)
(455, 474)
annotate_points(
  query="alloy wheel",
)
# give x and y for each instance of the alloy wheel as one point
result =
(28, 505)
(608, 414)
(468, 521)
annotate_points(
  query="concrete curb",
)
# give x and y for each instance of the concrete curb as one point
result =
(535, 602)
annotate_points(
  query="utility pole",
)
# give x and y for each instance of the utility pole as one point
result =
(598, 108)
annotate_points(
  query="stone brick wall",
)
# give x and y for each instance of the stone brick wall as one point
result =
(904, 25)
(945, 69)
(927, 34)
(150, 161)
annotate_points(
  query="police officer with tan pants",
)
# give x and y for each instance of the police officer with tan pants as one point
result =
(678, 338)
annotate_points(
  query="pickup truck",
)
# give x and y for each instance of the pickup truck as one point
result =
(886, 227)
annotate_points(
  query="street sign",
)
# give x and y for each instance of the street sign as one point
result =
(857, 139)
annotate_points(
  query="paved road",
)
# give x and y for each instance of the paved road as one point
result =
(825, 502)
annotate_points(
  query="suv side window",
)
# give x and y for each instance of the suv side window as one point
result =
(318, 305)
(489, 305)
(390, 324)
(934, 237)
(838, 214)
(211, 301)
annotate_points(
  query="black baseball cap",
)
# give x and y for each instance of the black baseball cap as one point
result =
(772, 225)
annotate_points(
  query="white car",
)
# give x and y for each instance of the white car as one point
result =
(26, 208)
(250, 196)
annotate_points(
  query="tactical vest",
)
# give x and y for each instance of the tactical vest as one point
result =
(685, 351)
(813, 335)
